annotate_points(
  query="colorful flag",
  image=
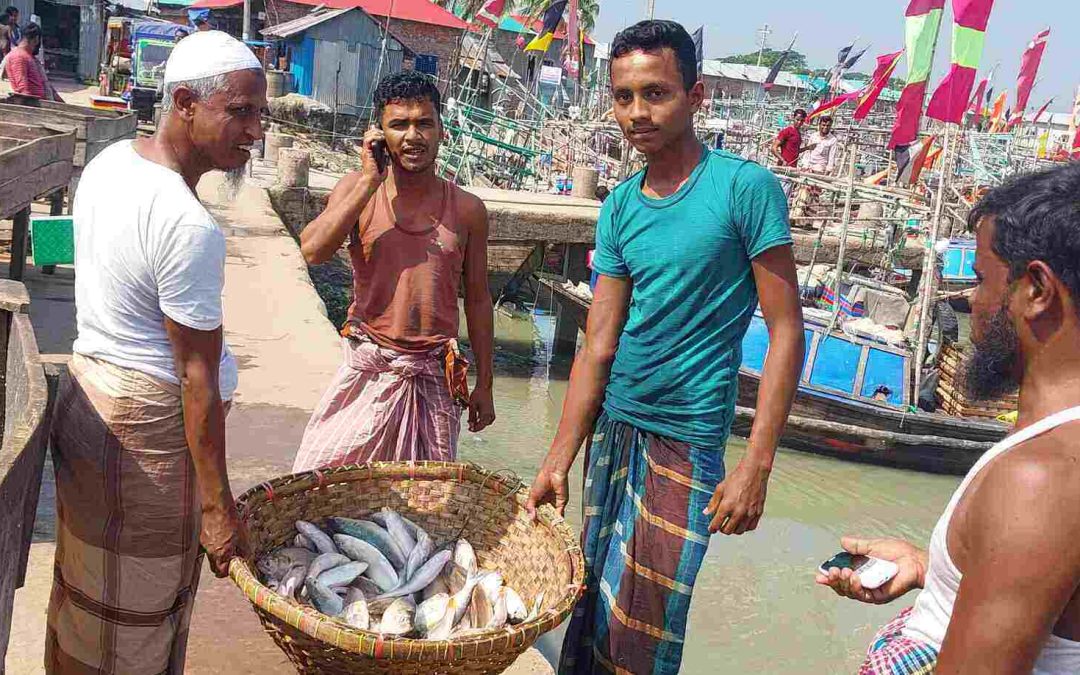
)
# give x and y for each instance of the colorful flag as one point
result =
(886, 65)
(921, 25)
(552, 16)
(997, 114)
(491, 13)
(1029, 68)
(699, 47)
(852, 60)
(911, 159)
(774, 72)
(951, 97)
(977, 100)
(573, 42)
(832, 104)
(1042, 110)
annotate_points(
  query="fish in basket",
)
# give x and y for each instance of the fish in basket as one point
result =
(425, 567)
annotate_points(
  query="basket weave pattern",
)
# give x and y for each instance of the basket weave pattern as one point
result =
(446, 499)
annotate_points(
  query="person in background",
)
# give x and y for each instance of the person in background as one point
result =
(10, 34)
(202, 24)
(139, 433)
(788, 144)
(685, 250)
(180, 35)
(412, 238)
(1000, 579)
(25, 72)
(823, 149)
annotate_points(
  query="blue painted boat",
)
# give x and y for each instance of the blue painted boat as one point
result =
(958, 271)
(855, 401)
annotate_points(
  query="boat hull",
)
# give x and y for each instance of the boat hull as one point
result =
(831, 425)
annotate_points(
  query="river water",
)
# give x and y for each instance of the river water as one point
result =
(755, 607)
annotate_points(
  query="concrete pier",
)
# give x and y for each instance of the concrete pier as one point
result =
(287, 351)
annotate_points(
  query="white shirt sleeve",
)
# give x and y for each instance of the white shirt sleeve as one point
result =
(190, 274)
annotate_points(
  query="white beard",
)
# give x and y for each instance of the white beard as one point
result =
(234, 180)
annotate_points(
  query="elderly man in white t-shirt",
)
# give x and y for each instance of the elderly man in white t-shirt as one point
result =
(139, 442)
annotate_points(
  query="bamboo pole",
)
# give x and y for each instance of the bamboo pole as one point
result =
(844, 224)
(929, 280)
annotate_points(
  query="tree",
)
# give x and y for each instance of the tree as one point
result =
(796, 61)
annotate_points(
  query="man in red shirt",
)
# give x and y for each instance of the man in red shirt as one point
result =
(788, 142)
(24, 71)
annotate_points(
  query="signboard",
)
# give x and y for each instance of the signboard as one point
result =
(550, 75)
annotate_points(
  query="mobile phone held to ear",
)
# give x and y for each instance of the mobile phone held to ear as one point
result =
(382, 157)
(873, 572)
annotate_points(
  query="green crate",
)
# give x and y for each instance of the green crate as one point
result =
(53, 240)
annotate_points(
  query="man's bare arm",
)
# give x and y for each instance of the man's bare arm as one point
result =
(323, 236)
(588, 380)
(1016, 547)
(739, 501)
(197, 355)
(775, 151)
(479, 314)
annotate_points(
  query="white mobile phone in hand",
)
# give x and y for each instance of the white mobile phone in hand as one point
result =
(873, 572)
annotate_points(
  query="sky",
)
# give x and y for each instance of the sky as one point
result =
(824, 26)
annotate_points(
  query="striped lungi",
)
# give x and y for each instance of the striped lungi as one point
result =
(892, 653)
(128, 517)
(382, 405)
(644, 537)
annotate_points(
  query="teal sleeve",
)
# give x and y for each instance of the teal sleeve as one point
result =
(608, 259)
(761, 210)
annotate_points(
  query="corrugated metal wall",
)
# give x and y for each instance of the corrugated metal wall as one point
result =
(346, 61)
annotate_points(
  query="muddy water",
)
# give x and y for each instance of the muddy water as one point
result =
(755, 608)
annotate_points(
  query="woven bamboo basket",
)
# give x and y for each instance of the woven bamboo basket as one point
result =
(448, 500)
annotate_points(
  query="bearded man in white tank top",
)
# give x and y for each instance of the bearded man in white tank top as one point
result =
(1001, 579)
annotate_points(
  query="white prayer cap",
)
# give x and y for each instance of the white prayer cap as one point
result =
(207, 54)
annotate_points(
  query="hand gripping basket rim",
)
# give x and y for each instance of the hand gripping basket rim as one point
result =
(307, 620)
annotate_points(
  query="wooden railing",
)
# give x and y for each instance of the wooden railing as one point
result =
(27, 407)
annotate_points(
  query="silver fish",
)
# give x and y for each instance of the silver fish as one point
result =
(343, 575)
(380, 517)
(480, 611)
(491, 582)
(499, 615)
(324, 599)
(419, 554)
(435, 587)
(323, 542)
(430, 613)
(379, 568)
(459, 603)
(354, 594)
(365, 530)
(292, 582)
(465, 556)
(455, 577)
(326, 561)
(398, 618)
(537, 606)
(356, 615)
(424, 576)
(379, 607)
(300, 541)
(516, 611)
(276, 564)
(369, 587)
(445, 625)
(397, 528)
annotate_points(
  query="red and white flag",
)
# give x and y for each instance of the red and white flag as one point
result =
(491, 13)
(1029, 68)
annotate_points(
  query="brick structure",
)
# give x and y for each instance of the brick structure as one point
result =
(429, 40)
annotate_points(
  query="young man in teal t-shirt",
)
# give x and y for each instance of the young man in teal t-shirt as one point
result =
(685, 250)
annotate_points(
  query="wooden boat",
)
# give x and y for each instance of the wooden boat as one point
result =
(854, 402)
(854, 399)
(958, 272)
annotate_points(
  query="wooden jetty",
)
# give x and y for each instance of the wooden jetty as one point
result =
(36, 161)
(94, 129)
(26, 407)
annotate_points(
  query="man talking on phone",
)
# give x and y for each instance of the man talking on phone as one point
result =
(1000, 579)
(412, 238)
(685, 250)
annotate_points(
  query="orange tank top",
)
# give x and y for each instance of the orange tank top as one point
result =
(406, 281)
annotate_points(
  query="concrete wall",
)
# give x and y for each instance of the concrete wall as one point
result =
(22, 457)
